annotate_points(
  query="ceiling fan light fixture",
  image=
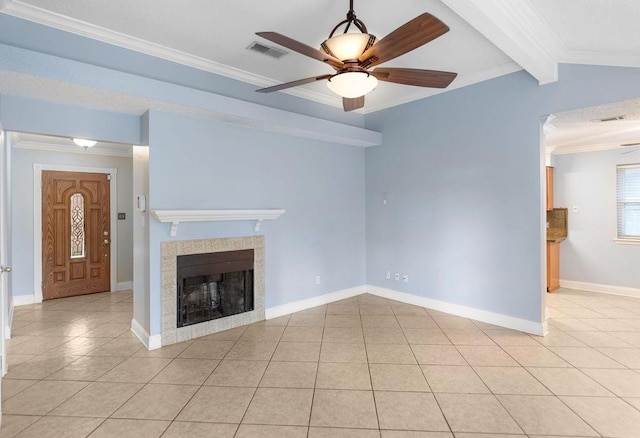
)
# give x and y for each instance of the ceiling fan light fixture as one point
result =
(82, 142)
(352, 84)
(348, 46)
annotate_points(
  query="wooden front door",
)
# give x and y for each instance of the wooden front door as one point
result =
(75, 234)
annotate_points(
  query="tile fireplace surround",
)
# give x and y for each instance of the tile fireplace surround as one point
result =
(170, 251)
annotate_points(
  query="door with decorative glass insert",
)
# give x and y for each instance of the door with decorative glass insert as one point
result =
(75, 234)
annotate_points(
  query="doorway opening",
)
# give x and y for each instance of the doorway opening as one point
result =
(44, 245)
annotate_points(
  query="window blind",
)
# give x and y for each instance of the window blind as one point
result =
(628, 189)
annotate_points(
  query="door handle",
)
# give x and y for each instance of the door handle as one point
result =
(5, 269)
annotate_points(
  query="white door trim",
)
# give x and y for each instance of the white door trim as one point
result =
(6, 305)
(37, 221)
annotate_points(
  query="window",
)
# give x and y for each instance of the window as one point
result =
(77, 226)
(628, 188)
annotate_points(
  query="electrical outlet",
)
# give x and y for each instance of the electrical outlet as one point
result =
(397, 277)
(405, 278)
(388, 275)
(317, 279)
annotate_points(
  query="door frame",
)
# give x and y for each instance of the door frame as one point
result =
(544, 161)
(37, 221)
(6, 299)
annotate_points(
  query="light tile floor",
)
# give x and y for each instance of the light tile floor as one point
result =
(362, 367)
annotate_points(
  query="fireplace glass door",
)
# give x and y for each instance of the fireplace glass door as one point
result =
(214, 285)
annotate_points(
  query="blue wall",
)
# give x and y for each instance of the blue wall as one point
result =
(24, 34)
(41, 117)
(199, 164)
(461, 173)
(589, 254)
(462, 211)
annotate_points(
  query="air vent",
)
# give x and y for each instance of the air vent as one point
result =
(266, 50)
(610, 119)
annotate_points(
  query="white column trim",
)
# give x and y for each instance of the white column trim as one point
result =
(151, 342)
(37, 221)
(517, 29)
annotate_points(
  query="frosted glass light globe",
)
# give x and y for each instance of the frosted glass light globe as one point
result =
(352, 84)
(348, 45)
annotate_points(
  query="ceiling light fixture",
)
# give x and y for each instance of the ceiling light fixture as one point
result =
(84, 143)
(352, 84)
(353, 52)
(351, 80)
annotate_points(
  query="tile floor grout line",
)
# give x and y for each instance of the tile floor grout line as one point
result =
(614, 396)
(315, 382)
(366, 355)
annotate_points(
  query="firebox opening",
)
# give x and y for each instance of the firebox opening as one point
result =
(214, 285)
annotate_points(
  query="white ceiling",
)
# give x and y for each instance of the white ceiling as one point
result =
(66, 145)
(488, 38)
(214, 36)
(582, 130)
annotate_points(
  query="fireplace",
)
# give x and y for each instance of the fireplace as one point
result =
(214, 285)
(207, 299)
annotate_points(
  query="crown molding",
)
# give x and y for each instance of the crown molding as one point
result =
(459, 82)
(517, 29)
(69, 149)
(618, 59)
(38, 15)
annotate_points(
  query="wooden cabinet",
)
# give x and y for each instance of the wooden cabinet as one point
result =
(549, 188)
(553, 266)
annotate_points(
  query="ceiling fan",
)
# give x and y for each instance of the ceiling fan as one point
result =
(352, 54)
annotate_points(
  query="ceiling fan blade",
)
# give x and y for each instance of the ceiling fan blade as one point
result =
(293, 84)
(411, 76)
(301, 48)
(409, 36)
(350, 104)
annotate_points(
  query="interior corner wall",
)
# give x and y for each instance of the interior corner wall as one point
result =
(22, 162)
(587, 181)
(201, 164)
(461, 176)
(140, 218)
(7, 304)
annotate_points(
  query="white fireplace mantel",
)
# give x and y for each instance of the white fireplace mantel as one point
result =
(176, 216)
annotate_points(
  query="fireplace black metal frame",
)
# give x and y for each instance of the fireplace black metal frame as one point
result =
(211, 265)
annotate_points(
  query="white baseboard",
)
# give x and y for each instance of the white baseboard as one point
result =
(124, 285)
(151, 342)
(523, 325)
(601, 288)
(23, 300)
(297, 306)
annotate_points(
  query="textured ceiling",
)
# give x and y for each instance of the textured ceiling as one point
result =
(581, 129)
(604, 26)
